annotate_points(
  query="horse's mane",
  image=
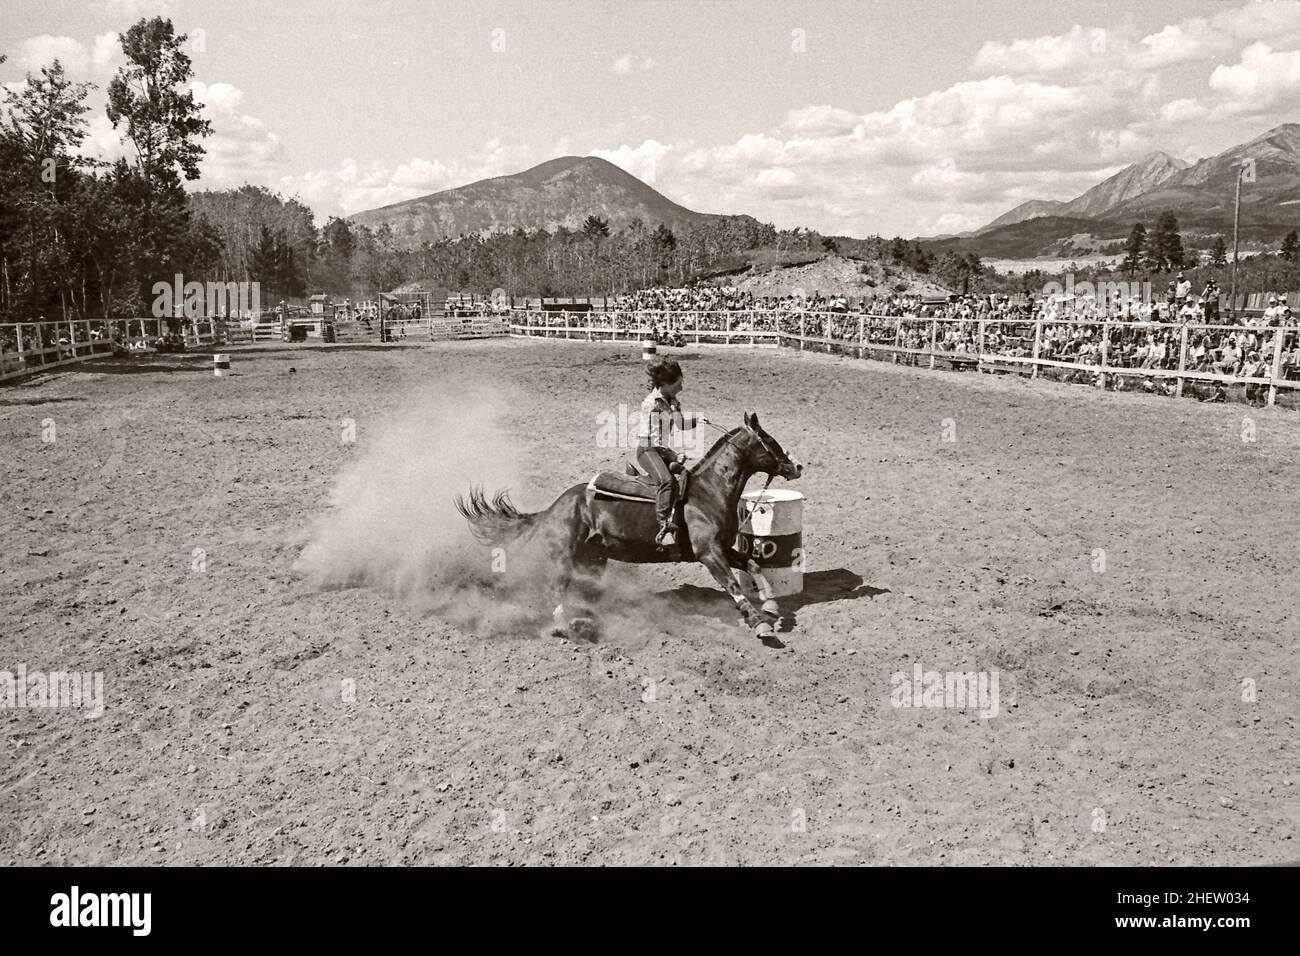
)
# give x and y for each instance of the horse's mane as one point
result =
(722, 440)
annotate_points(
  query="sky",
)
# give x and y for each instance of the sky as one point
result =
(852, 117)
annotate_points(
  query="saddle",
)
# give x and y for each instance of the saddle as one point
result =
(634, 484)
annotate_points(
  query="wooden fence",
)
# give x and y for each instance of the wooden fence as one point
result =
(1171, 358)
(28, 347)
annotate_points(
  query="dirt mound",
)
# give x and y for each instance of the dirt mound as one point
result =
(837, 275)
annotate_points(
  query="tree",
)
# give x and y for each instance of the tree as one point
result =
(150, 96)
(956, 270)
(595, 228)
(41, 126)
(149, 99)
(1135, 248)
(1166, 246)
(1218, 252)
(665, 243)
(1291, 246)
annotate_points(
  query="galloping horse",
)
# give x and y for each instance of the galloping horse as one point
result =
(612, 518)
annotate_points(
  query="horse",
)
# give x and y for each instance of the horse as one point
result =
(588, 526)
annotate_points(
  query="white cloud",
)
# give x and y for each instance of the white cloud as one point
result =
(241, 149)
(1185, 110)
(131, 9)
(1263, 80)
(36, 52)
(350, 187)
(627, 63)
(1045, 55)
(1044, 118)
(106, 52)
(103, 141)
(81, 62)
(641, 161)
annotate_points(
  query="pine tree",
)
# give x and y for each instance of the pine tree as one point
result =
(1135, 248)
(1219, 252)
(1166, 244)
(1291, 246)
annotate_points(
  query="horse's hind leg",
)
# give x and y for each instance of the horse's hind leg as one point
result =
(557, 587)
(584, 585)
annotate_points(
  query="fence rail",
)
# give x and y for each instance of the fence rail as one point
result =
(1105, 354)
(28, 347)
(1172, 358)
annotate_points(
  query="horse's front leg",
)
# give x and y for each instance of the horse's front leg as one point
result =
(742, 562)
(715, 559)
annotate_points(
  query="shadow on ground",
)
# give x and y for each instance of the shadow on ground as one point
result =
(819, 587)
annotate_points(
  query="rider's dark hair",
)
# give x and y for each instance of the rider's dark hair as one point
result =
(663, 371)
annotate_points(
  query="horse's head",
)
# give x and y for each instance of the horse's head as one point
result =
(767, 455)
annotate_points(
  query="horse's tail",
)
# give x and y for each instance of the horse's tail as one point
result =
(496, 521)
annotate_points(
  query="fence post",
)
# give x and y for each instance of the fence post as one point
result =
(1038, 341)
(1182, 360)
(898, 336)
(1105, 353)
(1278, 335)
(979, 346)
(862, 334)
(934, 335)
(801, 329)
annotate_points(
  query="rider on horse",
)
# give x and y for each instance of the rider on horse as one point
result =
(661, 415)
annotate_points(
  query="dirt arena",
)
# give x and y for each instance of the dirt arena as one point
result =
(159, 539)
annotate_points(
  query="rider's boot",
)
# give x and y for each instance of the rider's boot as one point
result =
(666, 513)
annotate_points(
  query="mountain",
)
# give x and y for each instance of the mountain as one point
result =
(1033, 209)
(559, 192)
(1203, 195)
(1142, 176)
(1149, 173)
(1025, 240)
(1200, 194)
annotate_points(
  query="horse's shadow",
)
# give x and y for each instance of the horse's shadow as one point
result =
(819, 587)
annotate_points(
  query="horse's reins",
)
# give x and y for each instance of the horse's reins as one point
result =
(726, 436)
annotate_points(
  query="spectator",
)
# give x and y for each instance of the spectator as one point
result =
(1229, 357)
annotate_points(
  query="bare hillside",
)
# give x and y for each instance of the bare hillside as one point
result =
(840, 276)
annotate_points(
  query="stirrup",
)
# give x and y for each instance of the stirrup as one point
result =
(666, 538)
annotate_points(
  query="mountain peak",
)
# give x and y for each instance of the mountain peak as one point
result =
(559, 192)
(1285, 138)
(1161, 158)
(1291, 129)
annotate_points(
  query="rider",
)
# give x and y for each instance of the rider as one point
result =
(661, 415)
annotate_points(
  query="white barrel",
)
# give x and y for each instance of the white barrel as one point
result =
(220, 365)
(771, 533)
(648, 349)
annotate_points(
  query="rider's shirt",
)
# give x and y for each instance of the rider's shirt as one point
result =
(660, 417)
